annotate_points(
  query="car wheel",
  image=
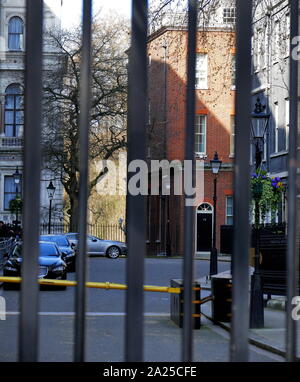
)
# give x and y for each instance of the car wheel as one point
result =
(113, 252)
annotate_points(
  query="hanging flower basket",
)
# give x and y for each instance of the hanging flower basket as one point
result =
(266, 192)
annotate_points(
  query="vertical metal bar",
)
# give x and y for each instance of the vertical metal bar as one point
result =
(292, 264)
(189, 210)
(214, 253)
(50, 211)
(136, 208)
(240, 272)
(85, 99)
(28, 324)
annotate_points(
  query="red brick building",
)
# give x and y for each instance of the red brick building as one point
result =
(214, 122)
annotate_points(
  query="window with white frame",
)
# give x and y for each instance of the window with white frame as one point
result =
(253, 57)
(15, 33)
(287, 122)
(276, 126)
(229, 15)
(264, 48)
(258, 50)
(287, 35)
(264, 155)
(229, 210)
(267, 48)
(270, 217)
(13, 111)
(277, 41)
(201, 71)
(284, 207)
(256, 126)
(233, 71)
(254, 52)
(232, 133)
(10, 190)
(200, 134)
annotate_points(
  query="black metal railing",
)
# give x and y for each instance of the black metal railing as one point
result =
(103, 231)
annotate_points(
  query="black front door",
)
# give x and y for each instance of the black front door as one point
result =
(204, 232)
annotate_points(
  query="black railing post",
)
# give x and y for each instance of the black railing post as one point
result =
(214, 253)
(189, 209)
(292, 262)
(84, 123)
(136, 208)
(28, 323)
(50, 211)
(240, 266)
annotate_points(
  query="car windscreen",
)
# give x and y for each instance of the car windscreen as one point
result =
(45, 250)
(93, 238)
(61, 241)
(48, 250)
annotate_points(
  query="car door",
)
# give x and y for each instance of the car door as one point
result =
(94, 245)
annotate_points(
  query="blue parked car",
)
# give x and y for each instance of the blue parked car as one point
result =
(67, 249)
(51, 264)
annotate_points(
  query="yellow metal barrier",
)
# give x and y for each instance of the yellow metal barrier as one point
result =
(90, 284)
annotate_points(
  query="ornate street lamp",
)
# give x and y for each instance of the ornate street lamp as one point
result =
(215, 164)
(51, 191)
(17, 180)
(259, 124)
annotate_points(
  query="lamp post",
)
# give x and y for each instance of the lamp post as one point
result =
(51, 191)
(215, 164)
(17, 180)
(259, 123)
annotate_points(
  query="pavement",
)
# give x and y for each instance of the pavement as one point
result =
(270, 338)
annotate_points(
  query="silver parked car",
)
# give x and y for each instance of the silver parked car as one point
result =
(97, 246)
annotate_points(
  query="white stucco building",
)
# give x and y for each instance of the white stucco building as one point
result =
(12, 53)
(270, 83)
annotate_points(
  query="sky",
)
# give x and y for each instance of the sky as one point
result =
(71, 9)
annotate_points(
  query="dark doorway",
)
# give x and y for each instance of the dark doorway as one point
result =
(204, 231)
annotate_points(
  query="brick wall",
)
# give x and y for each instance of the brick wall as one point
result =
(167, 97)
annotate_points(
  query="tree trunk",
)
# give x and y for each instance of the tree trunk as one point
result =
(74, 212)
